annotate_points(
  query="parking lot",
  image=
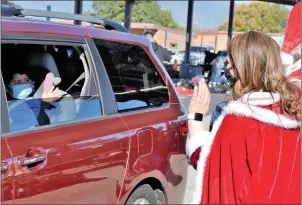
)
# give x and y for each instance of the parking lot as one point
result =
(215, 99)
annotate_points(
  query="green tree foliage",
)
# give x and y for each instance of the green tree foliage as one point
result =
(259, 16)
(146, 11)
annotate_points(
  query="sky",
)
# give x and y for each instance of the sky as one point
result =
(207, 14)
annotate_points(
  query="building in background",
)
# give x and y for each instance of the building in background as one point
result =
(174, 39)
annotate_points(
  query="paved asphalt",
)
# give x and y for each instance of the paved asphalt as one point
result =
(215, 99)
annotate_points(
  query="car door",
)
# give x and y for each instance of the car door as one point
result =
(74, 162)
(149, 107)
(7, 186)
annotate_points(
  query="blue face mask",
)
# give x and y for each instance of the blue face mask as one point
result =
(21, 92)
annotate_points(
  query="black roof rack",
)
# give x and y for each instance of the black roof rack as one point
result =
(10, 9)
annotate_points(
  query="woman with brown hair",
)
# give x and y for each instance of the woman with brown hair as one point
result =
(252, 154)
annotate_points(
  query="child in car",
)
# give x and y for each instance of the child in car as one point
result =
(27, 111)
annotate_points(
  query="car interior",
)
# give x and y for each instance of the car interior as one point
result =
(136, 82)
(67, 63)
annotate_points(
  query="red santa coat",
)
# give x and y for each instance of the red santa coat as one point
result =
(251, 156)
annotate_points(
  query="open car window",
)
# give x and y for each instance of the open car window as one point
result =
(24, 69)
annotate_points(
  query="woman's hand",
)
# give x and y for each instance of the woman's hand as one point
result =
(51, 94)
(200, 101)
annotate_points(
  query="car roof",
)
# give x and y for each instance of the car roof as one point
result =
(36, 26)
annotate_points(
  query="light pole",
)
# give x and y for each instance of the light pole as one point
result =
(128, 13)
(48, 8)
(231, 19)
(189, 30)
(78, 8)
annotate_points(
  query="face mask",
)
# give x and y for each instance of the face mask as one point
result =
(21, 92)
(231, 79)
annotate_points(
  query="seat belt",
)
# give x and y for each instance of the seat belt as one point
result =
(81, 77)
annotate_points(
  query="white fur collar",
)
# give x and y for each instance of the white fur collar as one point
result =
(293, 67)
(247, 106)
(288, 62)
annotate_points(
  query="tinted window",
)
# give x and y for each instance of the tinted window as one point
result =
(197, 49)
(135, 80)
(172, 52)
(31, 100)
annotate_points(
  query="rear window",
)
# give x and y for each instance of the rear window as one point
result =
(135, 80)
(172, 52)
(198, 49)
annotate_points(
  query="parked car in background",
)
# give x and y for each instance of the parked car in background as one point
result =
(209, 48)
(172, 51)
(126, 144)
(179, 57)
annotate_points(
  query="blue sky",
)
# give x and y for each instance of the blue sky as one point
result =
(207, 14)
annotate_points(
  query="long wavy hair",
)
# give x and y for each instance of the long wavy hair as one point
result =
(256, 57)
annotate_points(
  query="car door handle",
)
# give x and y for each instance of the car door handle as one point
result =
(4, 167)
(31, 160)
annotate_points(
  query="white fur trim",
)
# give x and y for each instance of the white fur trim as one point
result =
(296, 81)
(260, 98)
(296, 50)
(205, 151)
(196, 141)
(261, 114)
(241, 109)
(292, 68)
(286, 59)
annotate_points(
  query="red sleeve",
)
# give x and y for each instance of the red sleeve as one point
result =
(195, 157)
(194, 146)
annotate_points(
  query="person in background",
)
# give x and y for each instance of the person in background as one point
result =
(291, 46)
(162, 53)
(220, 60)
(210, 63)
(253, 153)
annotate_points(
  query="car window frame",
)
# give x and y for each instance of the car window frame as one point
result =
(51, 40)
(157, 67)
(4, 125)
(103, 81)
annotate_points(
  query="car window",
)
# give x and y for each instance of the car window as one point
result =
(172, 52)
(198, 49)
(182, 52)
(135, 80)
(47, 84)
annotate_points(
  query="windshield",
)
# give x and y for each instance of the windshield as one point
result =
(198, 49)
(182, 52)
(172, 52)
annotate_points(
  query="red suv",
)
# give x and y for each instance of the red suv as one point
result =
(116, 133)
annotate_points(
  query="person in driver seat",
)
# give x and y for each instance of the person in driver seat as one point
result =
(27, 111)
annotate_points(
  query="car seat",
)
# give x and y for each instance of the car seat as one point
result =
(61, 59)
(45, 60)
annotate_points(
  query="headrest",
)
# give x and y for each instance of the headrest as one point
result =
(46, 61)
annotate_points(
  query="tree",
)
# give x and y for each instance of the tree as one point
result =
(146, 11)
(259, 16)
